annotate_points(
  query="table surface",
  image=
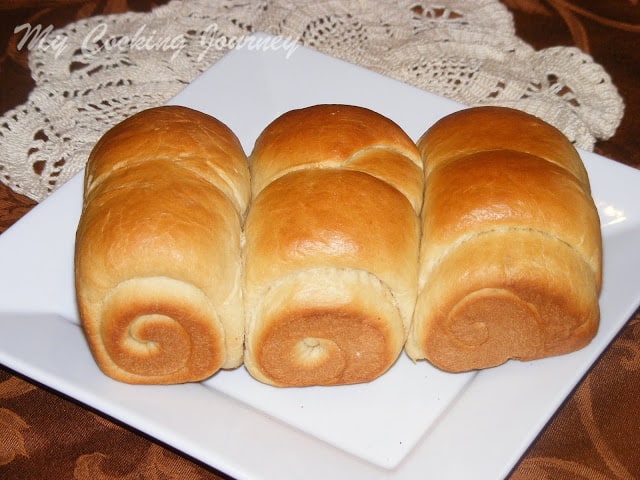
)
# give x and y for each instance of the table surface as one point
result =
(595, 433)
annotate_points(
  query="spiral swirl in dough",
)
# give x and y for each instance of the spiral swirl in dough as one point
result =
(158, 248)
(511, 251)
(331, 246)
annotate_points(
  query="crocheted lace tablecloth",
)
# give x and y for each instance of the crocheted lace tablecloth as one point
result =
(94, 73)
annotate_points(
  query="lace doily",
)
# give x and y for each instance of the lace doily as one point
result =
(94, 73)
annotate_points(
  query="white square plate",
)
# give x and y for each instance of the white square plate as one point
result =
(414, 421)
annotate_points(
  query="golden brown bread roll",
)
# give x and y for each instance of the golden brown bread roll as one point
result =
(511, 254)
(158, 260)
(331, 248)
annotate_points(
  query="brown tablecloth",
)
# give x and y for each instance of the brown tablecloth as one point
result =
(594, 435)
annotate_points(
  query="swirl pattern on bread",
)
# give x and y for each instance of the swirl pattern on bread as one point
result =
(158, 264)
(331, 246)
(511, 250)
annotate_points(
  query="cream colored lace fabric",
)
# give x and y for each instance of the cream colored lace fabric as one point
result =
(94, 73)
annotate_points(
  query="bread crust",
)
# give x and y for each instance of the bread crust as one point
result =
(511, 250)
(158, 260)
(331, 247)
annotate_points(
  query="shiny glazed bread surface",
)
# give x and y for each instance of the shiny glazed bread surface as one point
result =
(511, 254)
(158, 259)
(331, 246)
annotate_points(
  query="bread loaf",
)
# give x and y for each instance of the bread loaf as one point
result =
(510, 261)
(331, 248)
(158, 259)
